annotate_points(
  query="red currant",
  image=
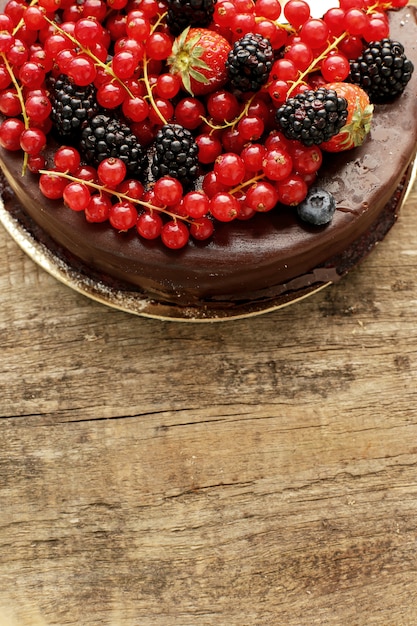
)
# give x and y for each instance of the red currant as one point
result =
(98, 208)
(67, 159)
(168, 190)
(209, 148)
(175, 234)
(149, 225)
(52, 186)
(111, 172)
(32, 140)
(224, 207)
(229, 169)
(123, 216)
(261, 196)
(76, 196)
(202, 228)
(196, 204)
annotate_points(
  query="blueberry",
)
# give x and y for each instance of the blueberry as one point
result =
(317, 208)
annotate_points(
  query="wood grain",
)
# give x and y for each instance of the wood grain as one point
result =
(260, 472)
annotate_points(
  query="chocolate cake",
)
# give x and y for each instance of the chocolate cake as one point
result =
(254, 265)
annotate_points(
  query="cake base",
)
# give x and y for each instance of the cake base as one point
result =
(68, 270)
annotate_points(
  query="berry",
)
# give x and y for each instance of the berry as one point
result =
(297, 12)
(202, 229)
(33, 140)
(188, 112)
(317, 208)
(292, 190)
(149, 225)
(277, 164)
(123, 215)
(175, 234)
(183, 13)
(38, 108)
(76, 196)
(111, 172)
(52, 186)
(71, 106)
(209, 148)
(175, 154)
(98, 208)
(199, 56)
(224, 207)
(10, 132)
(312, 116)
(229, 169)
(104, 137)
(261, 196)
(196, 204)
(249, 62)
(168, 190)
(382, 70)
(358, 121)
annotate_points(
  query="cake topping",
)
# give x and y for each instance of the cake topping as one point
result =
(317, 208)
(313, 116)
(249, 62)
(104, 136)
(183, 13)
(71, 105)
(382, 70)
(175, 154)
(237, 110)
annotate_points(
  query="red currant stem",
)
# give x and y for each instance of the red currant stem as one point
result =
(158, 21)
(22, 104)
(385, 7)
(280, 25)
(149, 90)
(18, 89)
(112, 192)
(92, 56)
(313, 66)
(246, 183)
(233, 122)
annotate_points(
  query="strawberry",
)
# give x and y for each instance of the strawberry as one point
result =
(199, 56)
(358, 123)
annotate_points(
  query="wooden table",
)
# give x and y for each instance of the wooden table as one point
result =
(260, 472)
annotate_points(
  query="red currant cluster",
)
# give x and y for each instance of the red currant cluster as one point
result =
(238, 187)
(250, 166)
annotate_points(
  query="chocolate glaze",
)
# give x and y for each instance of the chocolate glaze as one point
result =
(270, 254)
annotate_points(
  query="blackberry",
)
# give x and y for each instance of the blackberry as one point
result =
(175, 154)
(313, 116)
(105, 136)
(382, 70)
(249, 62)
(71, 106)
(183, 13)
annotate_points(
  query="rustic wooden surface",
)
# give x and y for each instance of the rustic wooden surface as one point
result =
(260, 472)
(248, 473)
